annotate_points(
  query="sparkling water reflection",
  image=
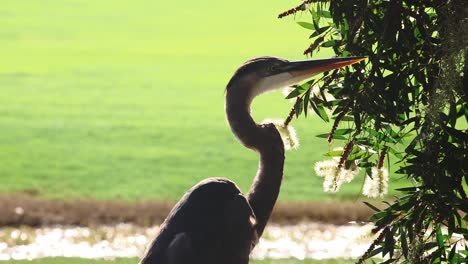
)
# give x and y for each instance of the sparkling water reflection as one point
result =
(304, 240)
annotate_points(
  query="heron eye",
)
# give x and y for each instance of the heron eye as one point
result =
(273, 68)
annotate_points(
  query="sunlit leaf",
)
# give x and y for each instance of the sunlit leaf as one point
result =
(329, 43)
(298, 90)
(334, 153)
(372, 207)
(306, 25)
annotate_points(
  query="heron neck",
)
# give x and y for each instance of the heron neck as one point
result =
(266, 141)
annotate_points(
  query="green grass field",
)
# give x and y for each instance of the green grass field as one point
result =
(112, 100)
(134, 261)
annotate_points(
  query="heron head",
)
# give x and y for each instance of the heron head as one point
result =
(264, 74)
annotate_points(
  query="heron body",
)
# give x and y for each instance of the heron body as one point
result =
(214, 222)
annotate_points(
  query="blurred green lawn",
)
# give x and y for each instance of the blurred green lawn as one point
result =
(125, 100)
(134, 261)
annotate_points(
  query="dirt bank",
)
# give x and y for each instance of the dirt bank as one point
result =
(24, 209)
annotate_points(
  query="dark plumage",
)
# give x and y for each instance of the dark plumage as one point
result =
(211, 220)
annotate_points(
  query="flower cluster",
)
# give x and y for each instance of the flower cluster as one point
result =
(287, 133)
(338, 170)
(334, 175)
(376, 185)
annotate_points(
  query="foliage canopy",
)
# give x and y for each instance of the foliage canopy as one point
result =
(406, 104)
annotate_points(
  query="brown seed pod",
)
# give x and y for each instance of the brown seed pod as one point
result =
(301, 7)
(335, 126)
(347, 150)
(382, 158)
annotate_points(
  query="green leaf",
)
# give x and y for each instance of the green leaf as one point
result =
(404, 204)
(316, 43)
(315, 34)
(305, 101)
(378, 215)
(372, 207)
(346, 118)
(461, 231)
(320, 110)
(359, 155)
(324, 14)
(313, 13)
(389, 244)
(357, 120)
(298, 90)
(366, 164)
(329, 43)
(323, 113)
(439, 237)
(338, 134)
(407, 189)
(334, 153)
(298, 106)
(343, 131)
(451, 225)
(387, 219)
(334, 137)
(306, 25)
(395, 153)
(316, 24)
(376, 251)
(451, 257)
(323, 29)
(379, 135)
(404, 244)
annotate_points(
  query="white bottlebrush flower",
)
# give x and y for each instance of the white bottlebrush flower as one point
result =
(334, 177)
(332, 182)
(326, 167)
(348, 174)
(287, 133)
(376, 185)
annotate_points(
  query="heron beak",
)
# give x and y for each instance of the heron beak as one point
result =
(296, 71)
(307, 69)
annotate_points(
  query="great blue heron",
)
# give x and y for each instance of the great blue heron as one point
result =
(214, 223)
